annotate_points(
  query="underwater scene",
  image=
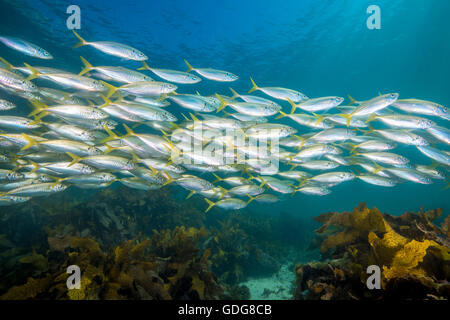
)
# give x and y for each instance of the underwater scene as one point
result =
(232, 150)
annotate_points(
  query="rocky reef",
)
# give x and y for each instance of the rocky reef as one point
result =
(131, 245)
(411, 251)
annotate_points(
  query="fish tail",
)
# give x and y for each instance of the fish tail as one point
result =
(218, 179)
(35, 166)
(87, 66)
(190, 194)
(111, 88)
(352, 100)
(263, 182)
(30, 142)
(110, 149)
(224, 192)
(372, 117)
(255, 87)
(38, 108)
(194, 118)
(302, 183)
(223, 103)
(144, 66)
(169, 179)
(319, 117)
(235, 94)
(293, 105)
(106, 100)
(75, 158)
(111, 135)
(34, 73)
(281, 115)
(129, 131)
(347, 116)
(8, 65)
(250, 199)
(82, 41)
(303, 140)
(210, 203)
(164, 133)
(354, 146)
(189, 67)
(433, 165)
(378, 168)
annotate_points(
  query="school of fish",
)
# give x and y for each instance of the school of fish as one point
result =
(111, 124)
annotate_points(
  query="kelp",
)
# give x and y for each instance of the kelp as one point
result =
(411, 251)
(166, 266)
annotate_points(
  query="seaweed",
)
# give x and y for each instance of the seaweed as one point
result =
(166, 266)
(412, 252)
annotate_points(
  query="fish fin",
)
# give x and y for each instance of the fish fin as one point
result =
(164, 133)
(282, 115)
(224, 192)
(185, 118)
(144, 66)
(129, 131)
(218, 179)
(303, 140)
(109, 148)
(75, 158)
(111, 135)
(38, 108)
(82, 41)
(175, 126)
(263, 182)
(447, 186)
(210, 203)
(190, 194)
(250, 199)
(235, 94)
(353, 145)
(194, 118)
(37, 120)
(189, 67)
(34, 73)
(30, 142)
(223, 103)
(169, 179)
(112, 89)
(8, 65)
(319, 117)
(106, 100)
(378, 168)
(347, 116)
(303, 182)
(35, 166)
(352, 100)
(372, 117)
(227, 114)
(255, 87)
(87, 66)
(433, 165)
(293, 105)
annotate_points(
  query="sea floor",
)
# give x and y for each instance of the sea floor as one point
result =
(279, 286)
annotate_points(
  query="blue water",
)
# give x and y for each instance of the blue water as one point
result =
(316, 46)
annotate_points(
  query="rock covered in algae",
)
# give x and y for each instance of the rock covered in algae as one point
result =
(411, 251)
